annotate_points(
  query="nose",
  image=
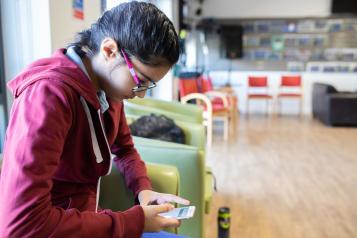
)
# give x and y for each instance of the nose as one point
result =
(140, 94)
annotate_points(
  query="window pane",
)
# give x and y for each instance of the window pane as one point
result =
(3, 109)
(113, 3)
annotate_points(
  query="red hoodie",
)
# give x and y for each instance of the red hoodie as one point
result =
(56, 148)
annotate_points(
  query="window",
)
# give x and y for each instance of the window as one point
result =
(108, 4)
(3, 107)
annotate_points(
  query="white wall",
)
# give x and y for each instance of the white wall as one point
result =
(64, 26)
(238, 81)
(266, 8)
(165, 89)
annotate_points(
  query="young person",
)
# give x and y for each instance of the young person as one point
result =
(67, 126)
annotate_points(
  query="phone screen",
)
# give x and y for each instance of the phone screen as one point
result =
(180, 213)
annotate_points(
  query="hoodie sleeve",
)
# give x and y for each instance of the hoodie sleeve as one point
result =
(40, 120)
(128, 160)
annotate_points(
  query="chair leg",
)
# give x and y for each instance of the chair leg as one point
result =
(279, 107)
(233, 118)
(267, 107)
(247, 109)
(301, 107)
(226, 127)
(232, 113)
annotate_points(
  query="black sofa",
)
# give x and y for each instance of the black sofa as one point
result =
(332, 107)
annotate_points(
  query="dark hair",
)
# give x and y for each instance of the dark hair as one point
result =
(140, 28)
(157, 127)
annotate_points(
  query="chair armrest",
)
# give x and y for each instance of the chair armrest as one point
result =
(342, 109)
(200, 97)
(346, 95)
(220, 95)
(345, 100)
(164, 178)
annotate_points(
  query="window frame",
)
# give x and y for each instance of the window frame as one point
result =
(3, 98)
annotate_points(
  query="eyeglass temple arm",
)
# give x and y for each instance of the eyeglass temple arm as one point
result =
(130, 66)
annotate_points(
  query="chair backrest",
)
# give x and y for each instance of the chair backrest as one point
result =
(115, 195)
(322, 89)
(174, 110)
(291, 81)
(194, 132)
(188, 85)
(207, 84)
(320, 93)
(258, 81)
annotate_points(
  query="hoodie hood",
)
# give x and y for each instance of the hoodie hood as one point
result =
(60, 68)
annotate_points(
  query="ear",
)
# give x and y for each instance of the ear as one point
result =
(109, 49)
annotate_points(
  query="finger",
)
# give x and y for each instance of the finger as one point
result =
(145, 202)
(180, 200)
(172, 198)
(171, 222)
(162, 208)
(154, 202)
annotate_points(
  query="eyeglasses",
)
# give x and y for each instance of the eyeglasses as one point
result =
(140, 84)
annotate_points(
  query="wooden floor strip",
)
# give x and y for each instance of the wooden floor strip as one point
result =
(286, 177)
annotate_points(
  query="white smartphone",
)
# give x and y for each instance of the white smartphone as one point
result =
(180, 213)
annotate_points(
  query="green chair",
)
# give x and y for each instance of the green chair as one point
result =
(173, 110)
(164, 179)
(190, 162)
(189, 118)
(194, 132)
(115, 195)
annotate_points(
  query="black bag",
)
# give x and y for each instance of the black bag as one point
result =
(157, 127)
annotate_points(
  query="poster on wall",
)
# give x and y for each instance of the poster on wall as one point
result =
(78, 9)
(277, 43)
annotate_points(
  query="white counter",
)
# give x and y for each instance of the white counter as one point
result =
(238, 80)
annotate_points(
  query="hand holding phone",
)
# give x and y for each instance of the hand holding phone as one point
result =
(180, 213)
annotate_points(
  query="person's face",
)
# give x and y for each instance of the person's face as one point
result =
(116, 79)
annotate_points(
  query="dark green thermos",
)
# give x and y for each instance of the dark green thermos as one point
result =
(224, 222)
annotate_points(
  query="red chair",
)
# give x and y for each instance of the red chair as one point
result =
(290, 83)
(260, 82)
(207, 86)
(192, 89)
